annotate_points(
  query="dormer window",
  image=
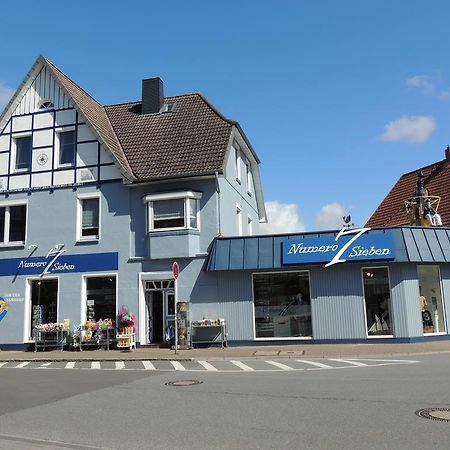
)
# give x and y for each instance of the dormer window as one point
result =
(168, 107)
(46, 104)
(173, 211)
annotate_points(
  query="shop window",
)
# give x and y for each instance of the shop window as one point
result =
(44, 302)
(67, 146)
(377, 297)
(430, 300)
(23, 146)
(172, 211)
(13, 221)
(89, 218)
(100, 298)
(282, 304)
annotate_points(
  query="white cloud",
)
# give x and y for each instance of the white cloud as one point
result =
(414, 130)
(282, 218)
(330, 217)
(5, 95)
(430, 85)
(424, 83)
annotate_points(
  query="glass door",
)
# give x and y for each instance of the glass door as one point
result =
(44, 302)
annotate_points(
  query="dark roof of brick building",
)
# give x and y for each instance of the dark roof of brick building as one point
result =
(392, 212)
(190, 140)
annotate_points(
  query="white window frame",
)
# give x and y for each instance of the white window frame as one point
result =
(250, 225)
(391, 311)
(80, 198)
(58, 132)
(16, 136)
(288, 338)
(7, 205)
(84, 278)
(186, 196)
(237, 157)
(248, 169)
(239, 219)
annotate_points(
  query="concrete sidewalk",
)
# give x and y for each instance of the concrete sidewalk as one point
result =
(214, 353)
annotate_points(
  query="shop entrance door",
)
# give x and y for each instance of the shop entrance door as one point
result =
(44, 302)
(159, 299)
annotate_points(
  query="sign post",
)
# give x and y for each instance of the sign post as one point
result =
(176, 274)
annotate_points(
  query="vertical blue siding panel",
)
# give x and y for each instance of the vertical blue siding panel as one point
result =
(277, 243)
(405, 310)
(422, 245)
(433, 244)
(236, 254)
(444, 242)
(400, 249)
(411, 248)
(445, 277)
(265, 260)
(222, 254)
(337, 302)
(251, 253)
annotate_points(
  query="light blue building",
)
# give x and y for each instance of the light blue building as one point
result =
(97, 202)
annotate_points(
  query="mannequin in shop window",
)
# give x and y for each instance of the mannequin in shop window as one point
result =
(427, 320)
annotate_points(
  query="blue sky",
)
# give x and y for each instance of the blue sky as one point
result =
(337, 97)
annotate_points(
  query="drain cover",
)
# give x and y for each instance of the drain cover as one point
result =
(441, 414)
(183, 383)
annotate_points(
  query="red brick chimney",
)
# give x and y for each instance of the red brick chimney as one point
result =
(447, 154)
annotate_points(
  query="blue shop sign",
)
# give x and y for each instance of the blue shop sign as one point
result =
(348, 245)
(41, 265)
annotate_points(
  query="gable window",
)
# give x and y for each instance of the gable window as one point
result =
(173, 210)
(239, 220)
(249, 177)
(13, 221)
(237, 159)
(23, 153)
(46, 104)
(88, 217)
(67, 147)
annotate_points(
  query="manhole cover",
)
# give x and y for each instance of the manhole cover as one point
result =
(441, 414)
(183, 383)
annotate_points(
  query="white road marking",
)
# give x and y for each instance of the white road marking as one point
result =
(45, 364)
(242, 366)
(281, 366)
(148, 365)
(348, 361)
(315, 363)
(95, 365)
(120, 365)
(2, 364)
(177, 365)
(70, 365)
(208, 366)
(22, 364)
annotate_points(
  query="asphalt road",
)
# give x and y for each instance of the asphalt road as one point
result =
(364, 407)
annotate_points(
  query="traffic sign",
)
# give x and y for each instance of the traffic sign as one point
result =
(175, 270)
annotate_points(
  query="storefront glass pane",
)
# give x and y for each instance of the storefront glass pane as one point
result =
(100, 298)
(378, 298)
(282, 304)
(44, 302)
(430, 301)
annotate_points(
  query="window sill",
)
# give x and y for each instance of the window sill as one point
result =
(12, 245)
(87, 241)
(238, 181)
(249, 193)
(173, 232)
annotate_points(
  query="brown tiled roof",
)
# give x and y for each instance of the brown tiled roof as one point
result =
(190, 140)
(96, 115)
(391, 211)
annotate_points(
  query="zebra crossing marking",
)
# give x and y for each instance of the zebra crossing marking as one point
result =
(148, 365)
(315, 363)
(209, 367)
(226, 366)
(280, 365)
(242, 366)
(177, 365)
(348, 361)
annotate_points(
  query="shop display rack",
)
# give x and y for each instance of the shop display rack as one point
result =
(54, 338)
(209, 332)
